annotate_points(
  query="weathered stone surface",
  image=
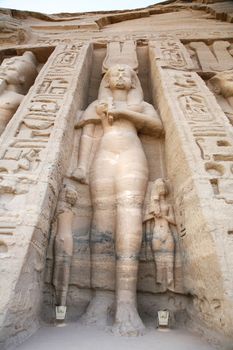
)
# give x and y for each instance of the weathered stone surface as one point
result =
(29, 195)
(99, 198)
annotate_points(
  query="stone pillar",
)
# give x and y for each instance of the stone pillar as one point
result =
(199, 160)
(34, 154)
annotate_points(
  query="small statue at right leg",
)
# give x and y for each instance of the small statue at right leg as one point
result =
(163, 244)
(63, 247)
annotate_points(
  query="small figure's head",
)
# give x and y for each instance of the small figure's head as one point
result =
(222, 83)
(70, 195)
(121, 77)
(159, 188)
(19, 71)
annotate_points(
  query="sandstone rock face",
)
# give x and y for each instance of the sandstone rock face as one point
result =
(116, 168)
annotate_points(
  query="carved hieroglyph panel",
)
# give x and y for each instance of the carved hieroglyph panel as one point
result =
(198, 151)
(75, 36)
(25, 141)
(33, 158)
(205, 122)
(172, 54)
(209, 128)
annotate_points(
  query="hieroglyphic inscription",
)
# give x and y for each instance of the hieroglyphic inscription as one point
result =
(30, 166)
(7, 232)
(172, 54)
(209, 127)
(74, 36)
(27, 143)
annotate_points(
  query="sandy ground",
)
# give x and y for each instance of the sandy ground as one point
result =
(76, 336)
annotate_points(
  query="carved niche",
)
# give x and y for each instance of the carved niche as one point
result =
(117, 156)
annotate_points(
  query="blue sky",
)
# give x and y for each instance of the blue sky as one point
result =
(55, 6)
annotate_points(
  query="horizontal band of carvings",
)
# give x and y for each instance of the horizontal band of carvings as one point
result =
(70, 37)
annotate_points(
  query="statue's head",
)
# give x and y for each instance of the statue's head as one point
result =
(70, 195)
(121, 77)
(19, 71)
(159, 188)
(222, 83)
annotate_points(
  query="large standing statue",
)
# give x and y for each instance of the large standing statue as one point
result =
(17, 74)
(118, 180)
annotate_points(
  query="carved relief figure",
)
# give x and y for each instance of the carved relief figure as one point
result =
(118, 179)
(17, 74)
(163, 245)
(222, 86)
(63, 248)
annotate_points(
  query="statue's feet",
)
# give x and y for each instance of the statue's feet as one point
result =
(127, 321)
(99, 309)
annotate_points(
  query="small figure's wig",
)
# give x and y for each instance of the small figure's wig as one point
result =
(155, 193)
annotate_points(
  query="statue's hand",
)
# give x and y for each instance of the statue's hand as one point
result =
(157, 214)
(102, 108)
(80, 175)
(113, 114)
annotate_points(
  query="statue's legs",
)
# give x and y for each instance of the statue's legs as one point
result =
(131, 181)
(163, 250)
(102, 240)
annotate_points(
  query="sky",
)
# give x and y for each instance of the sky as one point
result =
(56, 6)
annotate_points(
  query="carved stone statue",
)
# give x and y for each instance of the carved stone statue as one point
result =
(17, 74)
(63, 248)
(118, 180)
(222, 86)
(163, 245)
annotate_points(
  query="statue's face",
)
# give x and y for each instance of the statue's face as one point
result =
(10, 71)
(224, 82)
(71, 196)
(161, 187)
(120, 78)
